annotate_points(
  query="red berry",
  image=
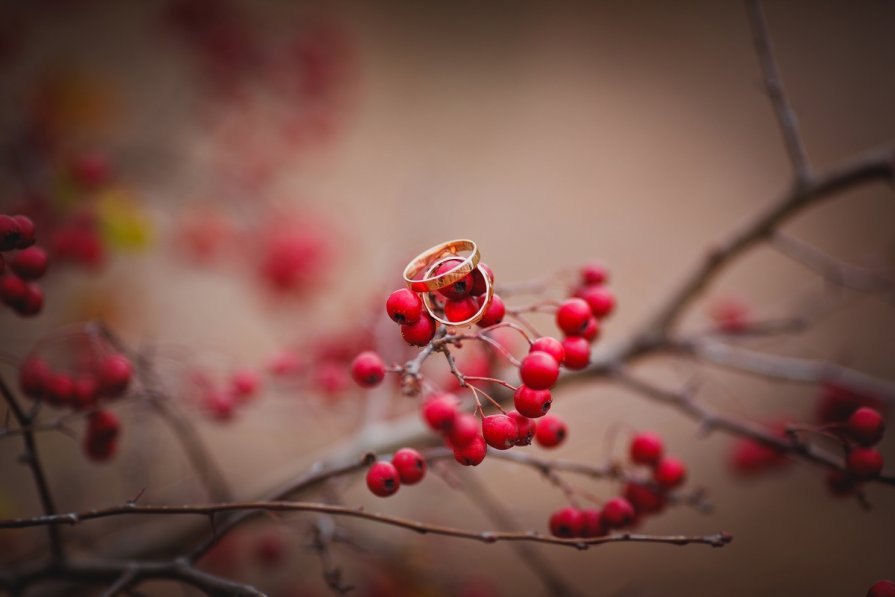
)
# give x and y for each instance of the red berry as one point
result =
(13, 289)
(500, 431)
(864, 463)
(670, 473)
(245, 383)
(464, 430)
(600, 300)
(26, 231)
(618, 513)
(410, 464)
(459, 289)
(34, 377)
(478, 280)
(572, 316)
(404, 306)
(566, 523)
(592, 331)
(60, 389)
(30, 263)
(646, 448)
(644, 498)
(221, 404)
(577, 352)
(749, 457)
(32, 303)
(85, 392)
(457, 310)
(593, 274)
(539, 370)
(383, 479)
(838, 402)
(367, 369)
(592, 523)
(532, 403)
(551, 346)
(866, 426)
(440, 411)
(90, 170)
(473, 453)
(882, 588)
(841, 483)
(10, 233)
(525, 428)
(494, 313)
(270, 549)
(419, 333)
(101, 439)
(114, 374)
(551, 431)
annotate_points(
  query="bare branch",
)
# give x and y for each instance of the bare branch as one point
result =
(838, 272)
(32, 460)
(111, 572)
(503, 520)
(710, 420)
(71, 518)
(786, 368)
(773, 82)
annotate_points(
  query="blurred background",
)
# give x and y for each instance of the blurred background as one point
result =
(239, 184)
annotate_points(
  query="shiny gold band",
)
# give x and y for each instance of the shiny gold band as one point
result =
(425, 260)
(489, 293)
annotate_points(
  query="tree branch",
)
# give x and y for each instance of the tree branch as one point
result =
(773, 82)
(785, 368)
(31, 458)
(710, 420)
(72, 518)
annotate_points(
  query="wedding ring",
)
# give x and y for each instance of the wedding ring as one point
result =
(489, 293)
(425, 260)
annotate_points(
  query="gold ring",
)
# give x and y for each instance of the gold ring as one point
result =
(424, 261)
(489, 294)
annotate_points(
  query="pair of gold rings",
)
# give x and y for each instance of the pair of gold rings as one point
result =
(427, 263)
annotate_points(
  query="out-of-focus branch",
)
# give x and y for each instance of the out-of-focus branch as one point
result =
(836, 271)
(785, 368)
(196, 451)
(709, 420)
(31, 458)
(503, 520)
(773, 82)
(875, 165)
(126, 574)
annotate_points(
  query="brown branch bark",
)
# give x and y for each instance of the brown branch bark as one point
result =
(773, 82)
(710, 420)
(31, 458)
(785, 368)
(72, 518)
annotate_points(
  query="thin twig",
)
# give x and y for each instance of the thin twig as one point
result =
(786, 118)
(32, 459)
(72, 518)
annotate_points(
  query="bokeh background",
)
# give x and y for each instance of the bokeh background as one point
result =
(190, 136)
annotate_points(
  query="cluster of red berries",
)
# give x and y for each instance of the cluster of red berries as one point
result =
(407, 467)
(647, 449)
(639, 498)
(579, 317)
(17, 273)
(220, 402)
(105, 379)
(458, 302)
(571, 522)
(863, 462)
